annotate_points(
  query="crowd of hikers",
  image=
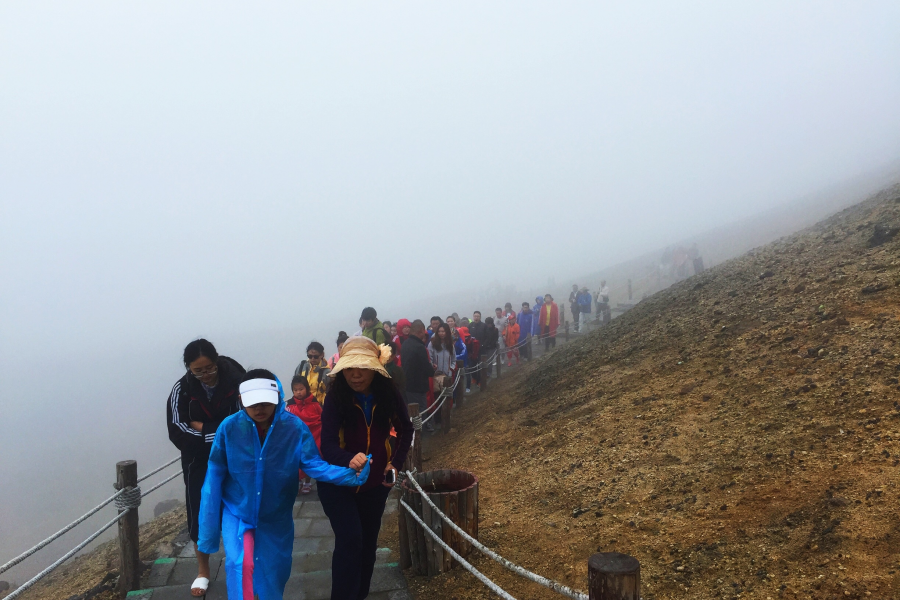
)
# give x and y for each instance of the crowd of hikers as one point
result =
(248, 452)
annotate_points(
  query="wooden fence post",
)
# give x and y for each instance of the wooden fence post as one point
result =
(129, 545)
(614, 576)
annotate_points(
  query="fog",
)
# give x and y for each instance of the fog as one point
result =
(257, 175)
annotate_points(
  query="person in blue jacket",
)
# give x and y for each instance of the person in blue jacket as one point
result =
(538, 303)
(251, 484)
(526, 323)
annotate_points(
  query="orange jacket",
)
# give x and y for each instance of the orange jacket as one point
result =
(511, 335)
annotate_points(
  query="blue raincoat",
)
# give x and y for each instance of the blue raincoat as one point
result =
(536, 310)
(254, 487)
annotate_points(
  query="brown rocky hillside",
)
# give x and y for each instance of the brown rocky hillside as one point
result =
(739, 433)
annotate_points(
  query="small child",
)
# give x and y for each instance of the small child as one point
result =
(251, 484)
(511, 337)
(305, 405)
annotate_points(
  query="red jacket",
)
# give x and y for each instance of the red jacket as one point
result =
(554, 317)
(310, 412)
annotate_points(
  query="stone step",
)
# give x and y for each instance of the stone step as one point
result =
(388, 583)
(182, 571)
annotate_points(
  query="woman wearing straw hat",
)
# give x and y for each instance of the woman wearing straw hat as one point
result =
(360, 409)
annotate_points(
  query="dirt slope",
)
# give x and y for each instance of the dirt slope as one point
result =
(739, 433)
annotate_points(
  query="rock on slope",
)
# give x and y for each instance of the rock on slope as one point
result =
(739, 433)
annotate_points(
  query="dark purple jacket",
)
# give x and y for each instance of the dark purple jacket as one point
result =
(339, 445)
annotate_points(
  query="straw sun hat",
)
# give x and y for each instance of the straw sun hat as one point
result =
(362, 353)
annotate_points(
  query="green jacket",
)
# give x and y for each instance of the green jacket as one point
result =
(376, 333)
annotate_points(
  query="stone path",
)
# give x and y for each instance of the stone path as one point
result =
(310, 579)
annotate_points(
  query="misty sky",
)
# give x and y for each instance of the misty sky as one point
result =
(171, 169)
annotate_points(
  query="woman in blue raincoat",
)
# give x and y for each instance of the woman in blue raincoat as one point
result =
(252, 483)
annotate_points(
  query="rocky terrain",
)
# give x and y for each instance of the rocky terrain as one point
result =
(738, 433)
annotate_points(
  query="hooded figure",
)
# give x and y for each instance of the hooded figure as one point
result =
(253, 485)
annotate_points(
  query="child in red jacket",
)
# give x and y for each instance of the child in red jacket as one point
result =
(305, 406)
(511, 338)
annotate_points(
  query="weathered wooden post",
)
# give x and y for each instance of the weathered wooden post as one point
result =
(614, 576)
(129, 545)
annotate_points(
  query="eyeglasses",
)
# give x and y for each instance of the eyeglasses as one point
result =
(313, 356)
(205, 372)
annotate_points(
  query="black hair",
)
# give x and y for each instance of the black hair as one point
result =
(498, 308)
(526, 304)
(258, 374)
(301, 380)
(368, 314)
(386, 323)
(342, 337)
(436, 338)
(477, 311)
(387, 400)
(196, 349)
(394, 350)
(436, 318)
(317, 347)
(489, 321)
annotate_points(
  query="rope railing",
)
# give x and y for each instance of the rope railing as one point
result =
(548, 583)
(481, 577)
(125, 499)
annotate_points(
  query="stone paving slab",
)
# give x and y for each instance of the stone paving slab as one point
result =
(320, 528)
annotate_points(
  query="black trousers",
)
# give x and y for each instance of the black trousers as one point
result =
(356, 521)
(548, 341)
(194, 466)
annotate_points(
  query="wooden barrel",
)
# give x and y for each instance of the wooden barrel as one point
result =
(455, 493)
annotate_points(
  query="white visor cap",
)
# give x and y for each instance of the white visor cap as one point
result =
(259, 391)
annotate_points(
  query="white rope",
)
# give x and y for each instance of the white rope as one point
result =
(491, 585)
(158, 469)
(64, 558)
(61, 532)
(548, 583)
(162, 483)
(130, 499)
(114, 498)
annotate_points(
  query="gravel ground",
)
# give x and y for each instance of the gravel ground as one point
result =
(738, 433)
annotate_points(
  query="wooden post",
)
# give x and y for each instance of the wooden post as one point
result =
(614, 576)
(405, 556)
(129, 546)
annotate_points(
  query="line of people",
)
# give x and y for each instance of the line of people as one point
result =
(247, 453)
(581, 302)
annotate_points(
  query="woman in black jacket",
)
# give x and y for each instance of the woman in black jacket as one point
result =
(198, 403)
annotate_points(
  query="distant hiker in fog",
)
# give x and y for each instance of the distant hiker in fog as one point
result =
(341, 338)
(416, 365)
(573, 305)
(435, 322)
(500, 324)
(549, 319)
(315, 370)
(584, 301)
(360, 410)
(508, 310)
(526, 323)
(251, 485)
(536, 309)
(305, 405)
(491, 345)
(603, 303)
(511, 335)
(478, 330)
(200, 400)
(372, 327)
